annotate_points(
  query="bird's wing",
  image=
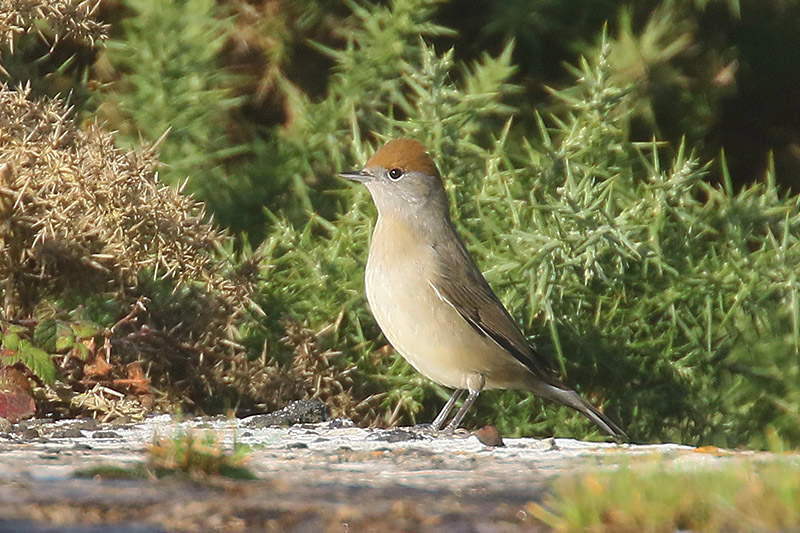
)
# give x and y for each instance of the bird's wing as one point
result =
(462, 285)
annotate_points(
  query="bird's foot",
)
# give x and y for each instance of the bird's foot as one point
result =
(447, 431)
(426, 429)
(456, 432)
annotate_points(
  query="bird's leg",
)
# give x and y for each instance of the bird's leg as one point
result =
(453, 425)
(438, 422)
(475, 384)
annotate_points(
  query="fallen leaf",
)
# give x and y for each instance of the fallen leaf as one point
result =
(16, 400)
(137, 379)
(98, 368)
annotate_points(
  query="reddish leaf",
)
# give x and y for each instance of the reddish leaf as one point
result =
(98, 368)
(16, 402)
(139, 384)
(13, 379)
(137, 380)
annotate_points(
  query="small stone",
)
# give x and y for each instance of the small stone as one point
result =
(121, 421)
(339, 423)
(67, 433)
(296, 446)
(489, 435)
(88, 424)
(29, 434)
(299, 412)
(106, 435)
(397, 435)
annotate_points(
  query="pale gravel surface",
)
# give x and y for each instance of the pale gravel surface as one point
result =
(310, 476)
(309, 447)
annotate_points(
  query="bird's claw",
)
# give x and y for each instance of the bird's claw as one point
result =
(447, 431)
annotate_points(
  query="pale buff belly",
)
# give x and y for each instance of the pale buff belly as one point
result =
(430, 334)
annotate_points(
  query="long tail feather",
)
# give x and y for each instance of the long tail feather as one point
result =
(571, 399)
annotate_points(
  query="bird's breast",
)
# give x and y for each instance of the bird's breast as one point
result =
(427, 331)
(396, 279)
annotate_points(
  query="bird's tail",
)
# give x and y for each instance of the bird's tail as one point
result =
(570, 398)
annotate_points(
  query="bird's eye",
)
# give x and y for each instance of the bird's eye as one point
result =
(395, 174)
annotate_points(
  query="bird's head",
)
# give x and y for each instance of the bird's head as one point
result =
(403, 180)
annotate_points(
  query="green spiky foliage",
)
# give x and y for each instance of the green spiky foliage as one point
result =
(670, 303)
(110, 279)
(169, 85)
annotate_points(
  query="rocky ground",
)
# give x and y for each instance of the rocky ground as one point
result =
(324, 476)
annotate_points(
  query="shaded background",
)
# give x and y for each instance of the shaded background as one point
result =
(724, 75)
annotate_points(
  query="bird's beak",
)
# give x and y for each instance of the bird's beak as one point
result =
(357, 175)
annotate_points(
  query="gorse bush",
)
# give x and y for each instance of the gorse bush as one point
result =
(85, 226)
(315, 273)
(46, 44)
(660, 286)
(669, 302)
(168, 85)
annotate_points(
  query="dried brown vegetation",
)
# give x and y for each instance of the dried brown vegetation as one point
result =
(312, 372)
(79, 217)
(76, 209)
(65, 19)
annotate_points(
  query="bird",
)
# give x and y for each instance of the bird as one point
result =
(431, 300)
